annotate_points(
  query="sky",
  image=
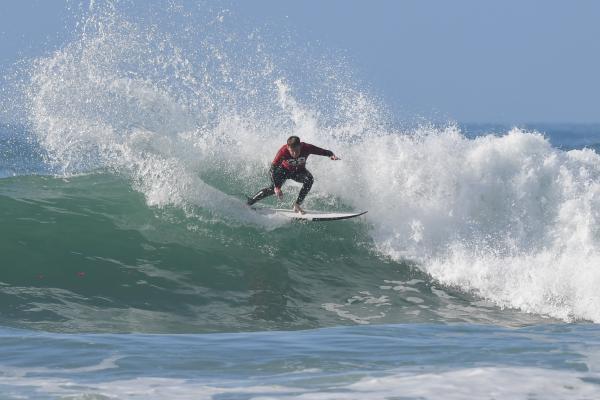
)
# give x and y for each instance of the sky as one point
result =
(510, 61)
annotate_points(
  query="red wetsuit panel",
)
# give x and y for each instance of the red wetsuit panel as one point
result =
(285, 159)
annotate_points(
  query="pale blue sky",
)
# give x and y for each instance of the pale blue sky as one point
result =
(506, 61)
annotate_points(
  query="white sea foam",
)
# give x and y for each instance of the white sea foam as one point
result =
(468, 383)
(508, 217)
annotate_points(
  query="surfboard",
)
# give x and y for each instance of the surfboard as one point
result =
(309, 215)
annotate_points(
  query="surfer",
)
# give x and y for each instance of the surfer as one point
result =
(290, 163)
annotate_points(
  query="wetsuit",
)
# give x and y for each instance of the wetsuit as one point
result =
(285, 167)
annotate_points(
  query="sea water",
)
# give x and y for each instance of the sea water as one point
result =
(131, 267)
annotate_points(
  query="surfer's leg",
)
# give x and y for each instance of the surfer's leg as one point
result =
(261, 194)
(307, 180)
(278, 178)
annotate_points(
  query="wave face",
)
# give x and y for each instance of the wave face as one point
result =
(152, 133)
(87, 254)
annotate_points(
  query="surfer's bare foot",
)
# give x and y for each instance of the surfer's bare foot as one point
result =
(298, 209)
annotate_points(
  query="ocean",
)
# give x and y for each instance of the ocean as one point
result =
(132, 268)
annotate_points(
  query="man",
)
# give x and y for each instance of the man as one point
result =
(290, 163)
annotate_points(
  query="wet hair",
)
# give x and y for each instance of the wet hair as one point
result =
(293, 141)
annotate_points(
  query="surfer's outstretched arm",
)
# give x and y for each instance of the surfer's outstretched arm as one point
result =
(312, 149)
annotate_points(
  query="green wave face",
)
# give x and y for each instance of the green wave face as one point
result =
(87, 254)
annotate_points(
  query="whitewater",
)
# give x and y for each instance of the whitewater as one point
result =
(132, 266)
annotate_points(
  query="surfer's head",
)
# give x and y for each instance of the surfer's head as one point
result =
(293, 145)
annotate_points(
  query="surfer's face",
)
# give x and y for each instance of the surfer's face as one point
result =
(294, 151)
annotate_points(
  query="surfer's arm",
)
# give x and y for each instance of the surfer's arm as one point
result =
(312, 149)
(276, 165)
(276, 173)
(273, 171)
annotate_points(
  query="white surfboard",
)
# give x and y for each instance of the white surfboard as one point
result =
(308, 215)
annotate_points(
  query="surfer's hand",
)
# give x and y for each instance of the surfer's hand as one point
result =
(334, 157)
(278, 193)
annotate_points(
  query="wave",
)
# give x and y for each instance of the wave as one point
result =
(190, 118)
(86, 253)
